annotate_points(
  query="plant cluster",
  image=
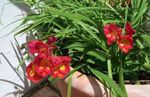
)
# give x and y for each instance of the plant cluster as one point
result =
(45, 63)
(101, 37)
(113, 33)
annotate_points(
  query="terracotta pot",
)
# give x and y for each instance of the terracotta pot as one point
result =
(83, 86)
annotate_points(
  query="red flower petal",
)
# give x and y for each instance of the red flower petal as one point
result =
(51, 40)
(129, 30)
(60, 66)
(61, 71)
(36, 46)
(125, 43)
(42, 65)
(31, 74)
(112, 32)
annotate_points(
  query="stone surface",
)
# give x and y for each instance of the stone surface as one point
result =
(45, 92)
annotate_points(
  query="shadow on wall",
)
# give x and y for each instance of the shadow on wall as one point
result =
(20, 90)
(20, 5)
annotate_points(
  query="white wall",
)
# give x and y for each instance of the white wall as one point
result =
(11, 85)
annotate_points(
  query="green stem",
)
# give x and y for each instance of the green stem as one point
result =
(109, 66)
(126, 18)
(121, 79)
(69, 86)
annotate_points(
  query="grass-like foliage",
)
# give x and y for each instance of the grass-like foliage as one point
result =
(78, 24)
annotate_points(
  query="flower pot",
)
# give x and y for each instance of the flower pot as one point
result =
(84, 86)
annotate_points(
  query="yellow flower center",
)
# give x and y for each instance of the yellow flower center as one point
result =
(62, 67)
(124, 41)
(114, 33)
(31, 73)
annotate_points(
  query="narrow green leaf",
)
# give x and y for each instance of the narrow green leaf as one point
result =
(76, 45)
(146, 38)
(97, 54)
(64, 32)
(93, 34)
(69, 15)
(109, 82)
(142, 8)
(75, 69)
(139, 43)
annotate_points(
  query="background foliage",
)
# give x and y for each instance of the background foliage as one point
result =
(79, 26)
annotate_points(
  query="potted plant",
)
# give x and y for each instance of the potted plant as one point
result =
(103, 39)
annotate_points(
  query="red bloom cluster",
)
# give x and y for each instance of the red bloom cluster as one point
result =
(45, 63)
(113, 33)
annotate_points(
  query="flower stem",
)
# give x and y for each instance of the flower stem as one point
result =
(109, 66)
(121, 79)
(69, 86)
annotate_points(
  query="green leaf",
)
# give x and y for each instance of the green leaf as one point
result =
(26, 27)
(146, 65)
(69, 15)
(76, 69)
(97, 54)
(139, 43)
(141, 6)
(76, 45)
(65, 32)
(93, 32)
(146, 38)
(109, 82)
(117, 21)
(52, 80)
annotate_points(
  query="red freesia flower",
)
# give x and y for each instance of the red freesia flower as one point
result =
(31, 73)
(112, 32)
(36, 46)
(51, 41)
(125, 43)
(42, 65)
(129, 30)
(60, 66)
